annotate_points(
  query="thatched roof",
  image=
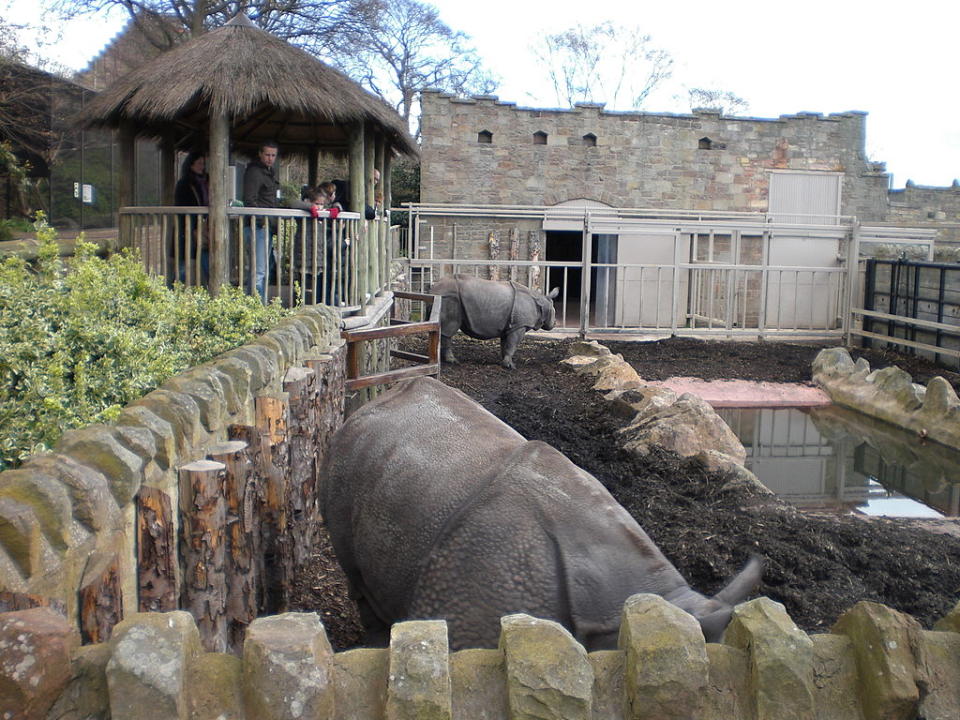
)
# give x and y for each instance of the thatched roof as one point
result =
(268, 88)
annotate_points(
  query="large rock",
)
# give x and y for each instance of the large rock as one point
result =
(35, 667)
(688, 427)
(727, 694)
(419, 684)
(666, 667)
(360, 682)
(608, 684)
(781, 659)
(477, 685)
(152, 660)
(835, 678)
(288, 668)
(548, 673)
(216, 688)
(883, 641)
(939, 655)
(86, 697)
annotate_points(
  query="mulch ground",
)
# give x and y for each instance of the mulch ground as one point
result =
(817, 564)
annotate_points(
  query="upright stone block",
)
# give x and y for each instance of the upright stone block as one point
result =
(151, 663)
(835, 678)
(882, 642)
(548, 672)
(288, 668)
(419, 682)
(216, 688)
(939, 655)
(666, 667)
(86, 696)
(360, 683)
(35, 650)
(608, 684)
(727, 694)
(781, 659)
(478, 686)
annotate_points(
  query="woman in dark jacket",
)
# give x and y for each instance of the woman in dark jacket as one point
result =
(193, 190)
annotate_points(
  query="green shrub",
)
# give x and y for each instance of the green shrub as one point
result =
(79, 341)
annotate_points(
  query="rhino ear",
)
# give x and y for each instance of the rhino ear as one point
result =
(553, 293)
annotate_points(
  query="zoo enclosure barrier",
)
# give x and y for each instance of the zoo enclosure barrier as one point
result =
(659, 271)
(912, 304)
(342, 261)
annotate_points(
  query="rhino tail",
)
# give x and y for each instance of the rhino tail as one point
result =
(743, 583)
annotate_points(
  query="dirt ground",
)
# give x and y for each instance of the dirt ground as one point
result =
(817, 564)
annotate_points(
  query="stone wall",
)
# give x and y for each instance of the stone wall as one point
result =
(702, 161)
(156, 511)
(639, 160)
(874, 664)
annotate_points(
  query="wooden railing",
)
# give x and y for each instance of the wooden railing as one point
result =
(342, 261)
(428, 364)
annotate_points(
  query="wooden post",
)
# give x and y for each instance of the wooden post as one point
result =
(312, 166)
(128, 165)
(301, 501)
(156, 552)
(240, 495)
(168, 170)
(387, 182)
(101, 599)
(357, 204)
(217, 227)
(369, 156)
(202, 534)
(271, 412)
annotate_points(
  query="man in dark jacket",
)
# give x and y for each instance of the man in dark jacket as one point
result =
(261, 189)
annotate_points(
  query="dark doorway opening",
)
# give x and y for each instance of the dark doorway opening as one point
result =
(567, 247)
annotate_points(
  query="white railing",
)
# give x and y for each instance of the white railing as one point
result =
(341, 261)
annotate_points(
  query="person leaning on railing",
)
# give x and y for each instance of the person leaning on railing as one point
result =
(261, 189)
(321, 203)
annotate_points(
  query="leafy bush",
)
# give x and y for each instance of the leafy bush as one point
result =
(80, 341)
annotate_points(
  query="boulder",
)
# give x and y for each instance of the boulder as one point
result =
(35, 661)
(666, 667)
(548, 673)
(781, 659)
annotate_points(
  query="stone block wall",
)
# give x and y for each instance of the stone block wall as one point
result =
(874, 664)
(703, 161)
(201, 491)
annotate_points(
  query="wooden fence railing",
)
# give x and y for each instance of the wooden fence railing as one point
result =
(428, 364)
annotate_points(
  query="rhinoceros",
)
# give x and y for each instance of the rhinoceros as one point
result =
(438, 509)
(486, 309)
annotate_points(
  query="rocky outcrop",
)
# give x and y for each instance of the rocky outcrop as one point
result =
(685, 425)
(890, 394)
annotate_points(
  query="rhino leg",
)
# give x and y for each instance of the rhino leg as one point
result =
(508, 346)
(450, 319)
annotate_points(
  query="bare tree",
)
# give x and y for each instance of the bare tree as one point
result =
(402, 47)
(605, 63)
(167, 22)
(722, 101)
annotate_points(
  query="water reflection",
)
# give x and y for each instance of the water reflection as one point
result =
(839, 459)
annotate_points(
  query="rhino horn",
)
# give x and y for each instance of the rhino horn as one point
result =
(742, 584)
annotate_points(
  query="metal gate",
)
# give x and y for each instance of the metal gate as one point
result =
(653, 272)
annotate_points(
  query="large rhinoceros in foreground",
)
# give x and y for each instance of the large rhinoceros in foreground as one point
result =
(437, 509)
(486, 309)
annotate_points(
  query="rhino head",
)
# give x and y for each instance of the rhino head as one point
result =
(548, 313)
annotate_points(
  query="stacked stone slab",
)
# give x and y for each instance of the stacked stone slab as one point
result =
(875, 664)
(92, 527)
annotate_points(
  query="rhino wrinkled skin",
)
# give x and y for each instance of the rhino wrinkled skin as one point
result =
(487, 309)
(437, 509)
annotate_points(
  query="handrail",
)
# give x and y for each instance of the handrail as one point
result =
(428, 364)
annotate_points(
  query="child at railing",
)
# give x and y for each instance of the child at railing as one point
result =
(316, 200)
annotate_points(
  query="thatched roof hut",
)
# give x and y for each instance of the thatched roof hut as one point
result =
(236, 87)
(267, 88)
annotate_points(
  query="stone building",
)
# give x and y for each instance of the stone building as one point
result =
(482, 151)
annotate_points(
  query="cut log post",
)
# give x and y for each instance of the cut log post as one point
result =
(240, 495)
(202, 535)
(156, 552)
(100, 598)
(301, 499)
(272, 412)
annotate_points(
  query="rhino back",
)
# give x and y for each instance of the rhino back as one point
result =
(543, 537)
(486, 305)
(396, 471)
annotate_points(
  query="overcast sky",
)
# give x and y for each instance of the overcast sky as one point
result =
(895, 62)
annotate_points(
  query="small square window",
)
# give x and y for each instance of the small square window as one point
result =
(485, 137)
(589, 140)
(539, 138)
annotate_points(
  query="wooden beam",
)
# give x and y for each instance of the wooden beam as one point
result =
(218, 229)
(357, 203)
(168, 169)
(128, 165)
